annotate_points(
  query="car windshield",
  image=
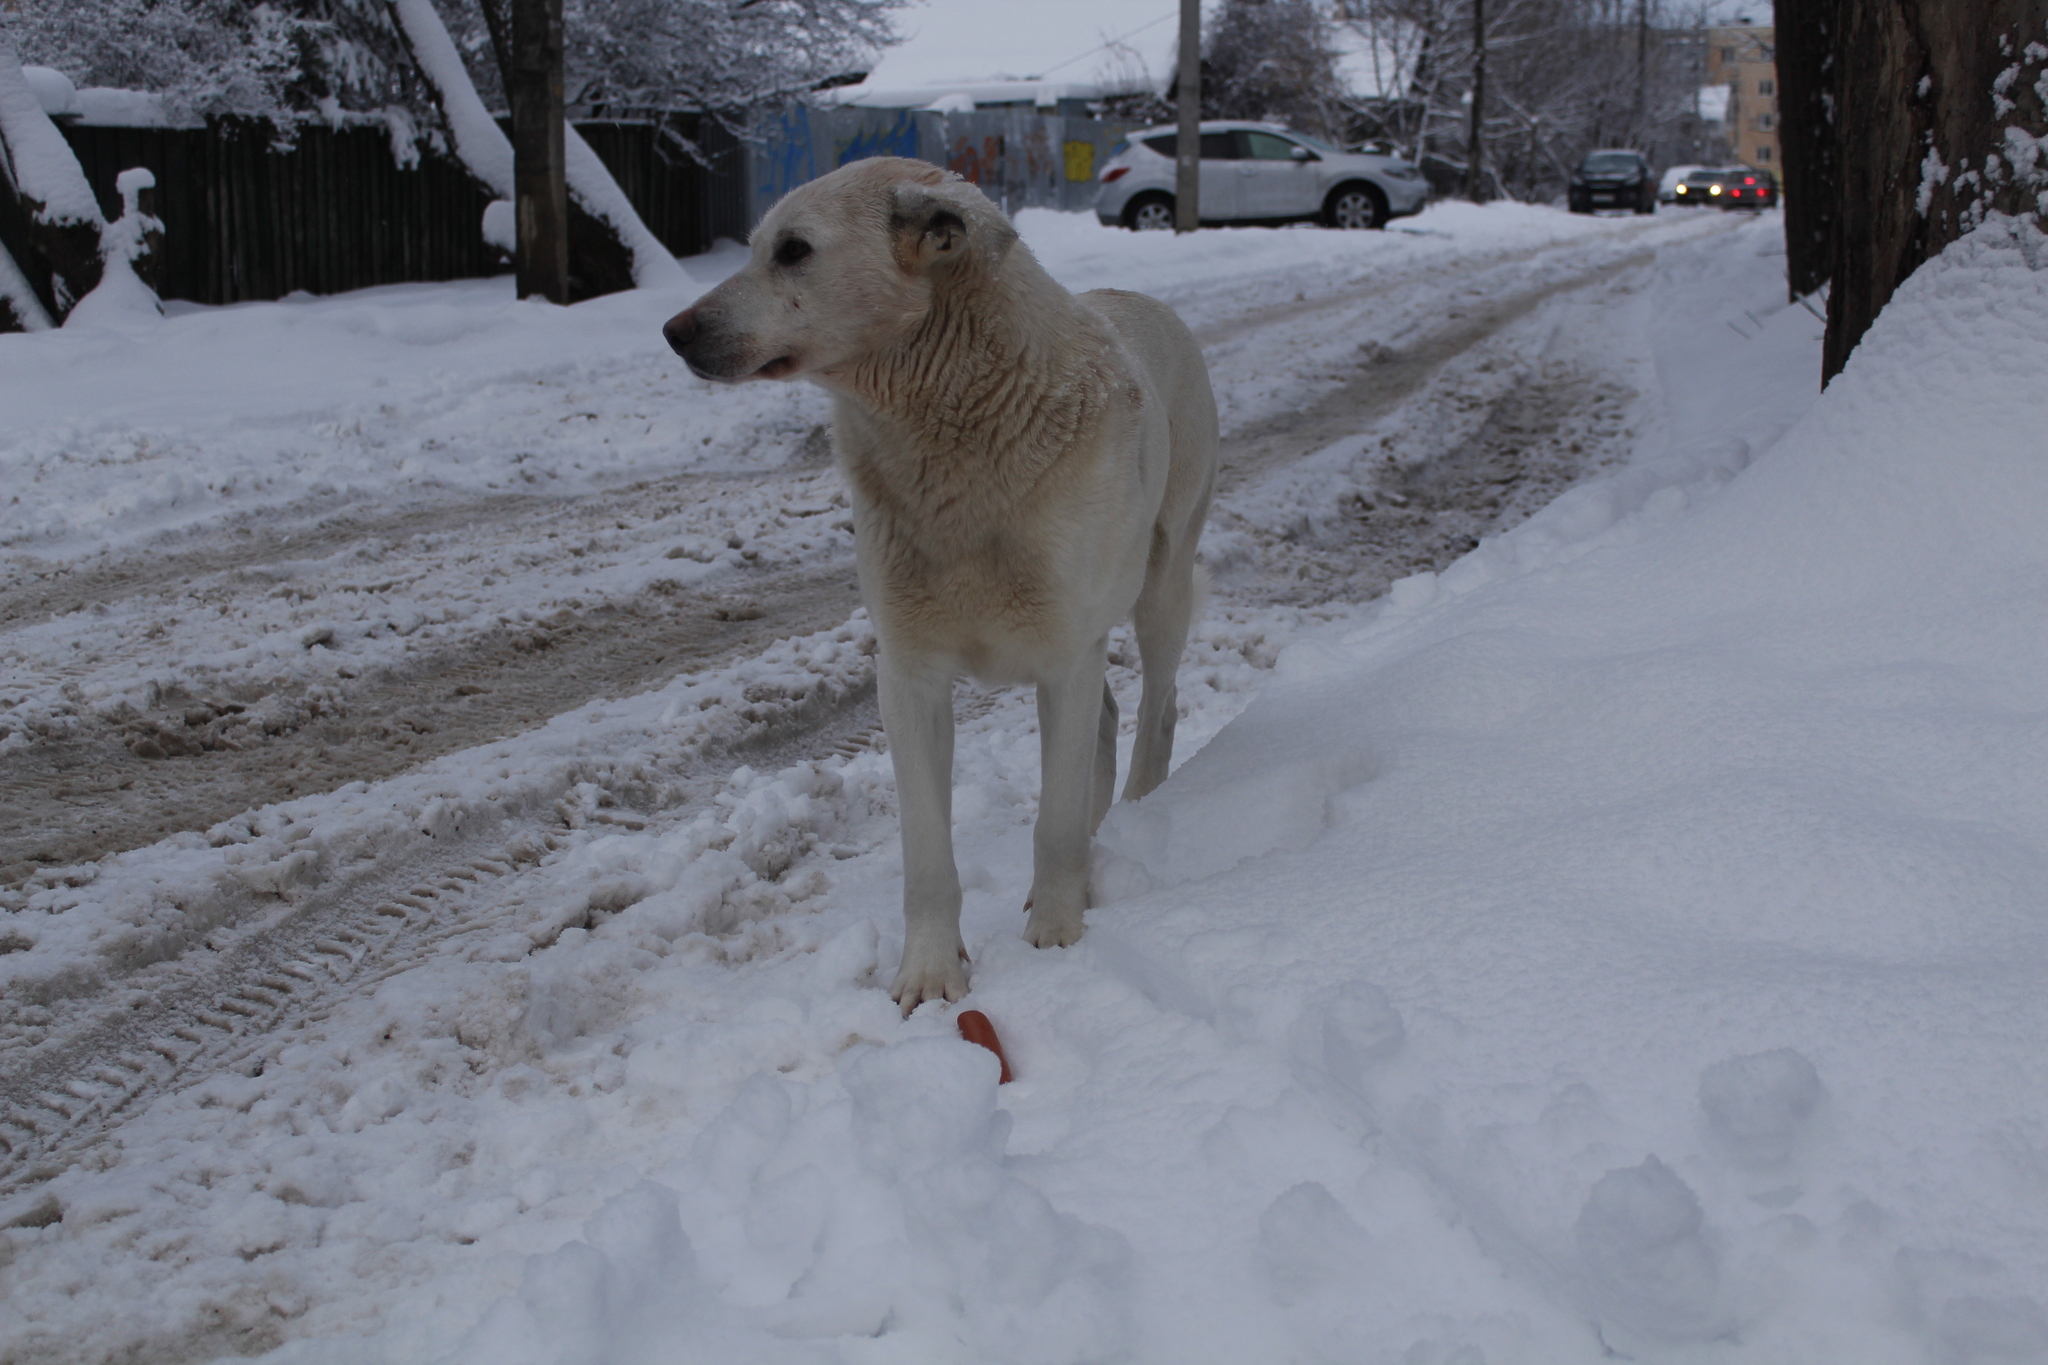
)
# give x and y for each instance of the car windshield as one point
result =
(1314, 144)
(1706, 177)
(1607, 163)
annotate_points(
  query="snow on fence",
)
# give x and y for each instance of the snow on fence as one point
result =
(244, 219)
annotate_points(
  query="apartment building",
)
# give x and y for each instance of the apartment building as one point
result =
(1744, 59)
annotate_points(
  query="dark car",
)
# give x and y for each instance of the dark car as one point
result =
(1731, 187)
(1703, 186)
(1615, 178)
(1747, 187)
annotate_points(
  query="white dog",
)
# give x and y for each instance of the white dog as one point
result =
(1027, 469)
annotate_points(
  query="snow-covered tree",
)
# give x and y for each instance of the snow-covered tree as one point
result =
(1272, 59)
(48, 205)
(714, 55)
(285, 60)
(1563, 76)
(204, 57)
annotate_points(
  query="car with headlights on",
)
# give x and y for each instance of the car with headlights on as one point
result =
(1668, 183)
(1703, 186)
(1613, 178)
(1258, 173)
(1729, 187)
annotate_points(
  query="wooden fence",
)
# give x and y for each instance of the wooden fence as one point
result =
(245, 218)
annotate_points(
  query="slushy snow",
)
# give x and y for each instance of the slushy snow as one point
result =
(1626, 943)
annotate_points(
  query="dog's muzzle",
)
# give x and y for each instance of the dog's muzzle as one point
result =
(680, 331)
(712, 354)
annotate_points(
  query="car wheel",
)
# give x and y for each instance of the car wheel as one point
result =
(1150, 213)
(1355, 207)
(1647, 204)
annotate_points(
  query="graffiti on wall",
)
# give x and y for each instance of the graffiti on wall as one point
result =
(898, 137)
(1019, 157)
(980, 164)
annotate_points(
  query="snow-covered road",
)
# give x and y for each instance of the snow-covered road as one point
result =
(401, 968)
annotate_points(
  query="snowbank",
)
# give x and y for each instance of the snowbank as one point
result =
(1702, 863)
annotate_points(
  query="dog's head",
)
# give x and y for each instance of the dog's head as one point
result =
(840, 269)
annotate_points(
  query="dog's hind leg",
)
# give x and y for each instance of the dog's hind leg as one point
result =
(917, 713)
(1105, 758)
(1069, 743)
(1165, 611)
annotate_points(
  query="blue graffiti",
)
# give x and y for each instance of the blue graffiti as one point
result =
(899, 138)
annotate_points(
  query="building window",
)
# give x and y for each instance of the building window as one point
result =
(1727, 55)
(1765, 122)
(1764, 88)
(1763, 153)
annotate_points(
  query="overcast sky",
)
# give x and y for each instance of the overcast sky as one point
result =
(1078, 40)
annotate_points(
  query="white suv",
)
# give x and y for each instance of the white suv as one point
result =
(1258, 173)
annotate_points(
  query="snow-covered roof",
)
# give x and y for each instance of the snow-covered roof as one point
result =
(1102, 46)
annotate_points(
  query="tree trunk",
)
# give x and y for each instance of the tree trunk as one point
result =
(1806, 138)
(533, 87)
(601, 258)
(1938, 110)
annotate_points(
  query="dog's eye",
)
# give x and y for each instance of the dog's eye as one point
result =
(792, 251)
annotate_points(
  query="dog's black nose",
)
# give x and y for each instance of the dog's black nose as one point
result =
(681, 330)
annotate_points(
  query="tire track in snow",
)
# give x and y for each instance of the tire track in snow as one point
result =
(76, 800)
(235, 996)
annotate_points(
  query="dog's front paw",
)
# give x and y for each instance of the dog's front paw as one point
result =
(930, 974)
(1047, 928)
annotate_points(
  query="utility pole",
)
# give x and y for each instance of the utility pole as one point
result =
(1475, 160)
(540, 186)
(1187, 157)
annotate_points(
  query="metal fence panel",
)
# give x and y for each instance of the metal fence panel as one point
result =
(1020, 157)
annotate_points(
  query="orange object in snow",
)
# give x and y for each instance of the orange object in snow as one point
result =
(975, 1028)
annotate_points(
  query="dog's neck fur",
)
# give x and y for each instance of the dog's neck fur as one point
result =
(1041, 375)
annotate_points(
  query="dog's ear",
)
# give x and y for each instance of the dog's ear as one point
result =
(936, 226)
